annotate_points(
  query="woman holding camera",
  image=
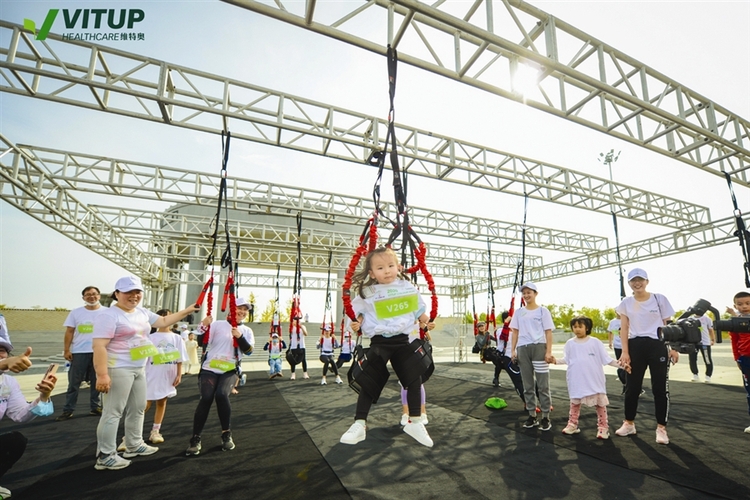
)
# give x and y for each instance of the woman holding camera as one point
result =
(642, 315)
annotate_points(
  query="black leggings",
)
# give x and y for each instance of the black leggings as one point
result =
(214, 386)
(329, 362)
(653, 354)
(384, 347)
(706, 352)
(12, 446)
(301, 353)
(505, 363)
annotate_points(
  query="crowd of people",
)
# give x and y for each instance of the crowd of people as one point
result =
(133, 359)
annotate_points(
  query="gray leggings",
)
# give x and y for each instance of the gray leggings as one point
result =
(126, 397)
(531, 362)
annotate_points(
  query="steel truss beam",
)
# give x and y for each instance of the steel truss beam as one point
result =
(106, 79)
(111, 176)
(578, 77)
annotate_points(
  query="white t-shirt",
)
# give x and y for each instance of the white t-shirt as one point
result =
(389, 310)
(297, 340)
(646, 317)
(128, 334)
(327, 345)
(614, 327)
(531, 325)
(347, 346)
(161, 370)
(221, 356)
(706, 324)
(585, 358)
(82, 320)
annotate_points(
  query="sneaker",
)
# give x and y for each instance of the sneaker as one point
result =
(323, 381)
(305, 376)
(111, 462)
(626, 430)
(424, 419)
(84, 385)
(243, 379)
(571, 429)
(338, 379)
(4, 493)
(747, 430)
(404, 419)
(142, 451)
(293, 377)
(602, 434)
(530, 422)
(226, 441)
(155, 437)
(195, 446)
(272, 376)
(122, 446)
(661, 435)
(356, 433)
(545, 424)
(96, 412)
(66, 415)
(418, 431)
(708, 379)
(696, 378)
(280, 374)
(495, 382)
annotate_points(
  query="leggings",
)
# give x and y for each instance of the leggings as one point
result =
(12, 446)
(384, 347)
(422, 400)
(505, 363)
(214, 386)
(301, 353)
(329, 362)
(646, 352)
(706, 352)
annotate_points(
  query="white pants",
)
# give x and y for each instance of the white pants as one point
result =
(126, 396)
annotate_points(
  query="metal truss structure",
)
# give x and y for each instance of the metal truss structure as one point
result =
(577, 77)
(483, 43)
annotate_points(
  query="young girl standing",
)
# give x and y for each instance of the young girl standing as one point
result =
(387, 308)
(585, 357)
(327, 344)
(531, 329)
(163, 373)
(191, 346)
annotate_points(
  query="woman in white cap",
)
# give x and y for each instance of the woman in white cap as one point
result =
(222, 354)
(122, 347)
(641, 316)
(531, 347)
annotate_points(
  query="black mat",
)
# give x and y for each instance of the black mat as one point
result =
(287, 447)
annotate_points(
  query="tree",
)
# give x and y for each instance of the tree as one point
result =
(600, 323)
(561, 315)
(610, 314)
(267, 315)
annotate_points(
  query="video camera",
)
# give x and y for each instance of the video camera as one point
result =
(684, 334)
(734, 325)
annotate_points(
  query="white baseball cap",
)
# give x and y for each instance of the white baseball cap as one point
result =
(637, 273)
(128, 284)
(242, 302)
(276, 335)
(530, 286)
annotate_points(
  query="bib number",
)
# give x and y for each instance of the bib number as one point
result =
(143, 351)
(86, 328)
(396, 306)
(166, 357)
(221, 364)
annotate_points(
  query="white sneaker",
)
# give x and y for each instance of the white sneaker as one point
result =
(708, 379)
(156, 437)
(338, 379)
(405, 419)
(696, 378)
(142, 451)
(424, 419)
(4, 493)
(323, 381)
(418, 431)
(293, 377)
(747, 429)
(110, 462)
(305, 376)
(356, 433)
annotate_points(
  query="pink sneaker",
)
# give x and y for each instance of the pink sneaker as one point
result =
(626, 430)
(661, 435)
(571, 429)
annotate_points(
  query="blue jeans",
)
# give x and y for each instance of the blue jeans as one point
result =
(275, 364)
(81, 368)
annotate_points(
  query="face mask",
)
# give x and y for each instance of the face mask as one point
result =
(97, 303)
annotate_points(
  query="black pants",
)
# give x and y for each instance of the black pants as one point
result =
(505, 363)
(214, 386)
(621, 374)
(652, 354)
(329, 362)
(300, 353)
(384, 347)
(12, 446)
(706, 352)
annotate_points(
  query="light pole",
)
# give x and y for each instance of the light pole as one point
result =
(608, 159)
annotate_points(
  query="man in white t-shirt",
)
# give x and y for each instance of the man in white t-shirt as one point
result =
(78, 350)
(615, 342)
(707, 340)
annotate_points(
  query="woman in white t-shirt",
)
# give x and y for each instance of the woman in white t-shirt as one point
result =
(615, 342)
(641, 317)
(122, 347)
(531, 331)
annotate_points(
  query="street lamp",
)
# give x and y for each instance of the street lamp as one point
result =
(608, 159)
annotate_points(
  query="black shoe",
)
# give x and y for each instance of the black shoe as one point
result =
(624, 390)
(530, 422)
(66, 415)
(495, 382)
(545, 424)
(226, 441)
(97, 412)
(195, 446)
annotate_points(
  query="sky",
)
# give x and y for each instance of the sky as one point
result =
(703, 45)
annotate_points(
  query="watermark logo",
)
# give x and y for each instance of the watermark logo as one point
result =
(92, 19)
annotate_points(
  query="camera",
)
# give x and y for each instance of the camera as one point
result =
(735, 325)
(683, 335)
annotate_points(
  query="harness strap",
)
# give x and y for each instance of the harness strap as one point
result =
(742, 233)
